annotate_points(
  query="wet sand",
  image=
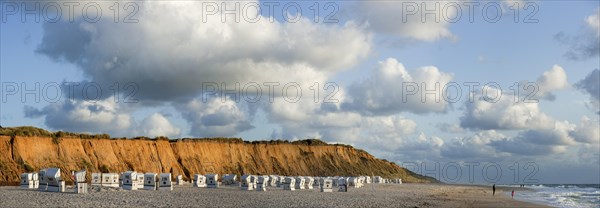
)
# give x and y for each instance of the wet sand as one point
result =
(371, 195)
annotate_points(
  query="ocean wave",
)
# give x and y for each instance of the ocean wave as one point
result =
(563, 195)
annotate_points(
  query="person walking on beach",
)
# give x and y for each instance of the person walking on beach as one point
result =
(494, 190)
(513, 194)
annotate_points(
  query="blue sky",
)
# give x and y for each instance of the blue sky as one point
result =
(369, 54)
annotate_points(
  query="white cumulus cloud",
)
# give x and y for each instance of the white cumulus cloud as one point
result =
(157, 125)
(391, 88)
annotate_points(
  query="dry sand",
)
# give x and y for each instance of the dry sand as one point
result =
(371, 195)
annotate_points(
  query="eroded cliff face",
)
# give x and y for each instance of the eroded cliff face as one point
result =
(20, 154)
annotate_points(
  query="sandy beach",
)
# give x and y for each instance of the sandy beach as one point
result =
(372, 195)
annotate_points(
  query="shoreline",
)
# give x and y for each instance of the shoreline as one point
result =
(506, 190)
(371, 195)
(477, 195)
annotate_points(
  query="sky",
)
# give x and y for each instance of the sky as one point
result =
(464, 91)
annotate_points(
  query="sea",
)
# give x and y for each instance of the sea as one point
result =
(562, 195)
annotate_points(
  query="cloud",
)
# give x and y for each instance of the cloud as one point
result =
(492, 145)
(485, 113)
(352, 120)
(390, 126)
(561, 137)
(587, 132)
(515, 146)
(214, 118)
(382, 92)
(186, 52)
(513, 2)
(591, 85)
(282, 110)
(539, 142)
(381, 133)
(384, 133)
(172, 55)
(420, 147)
(496, 109)
(593, 22)
(157, 125)
(368, 118)
(551, 80)
(341, 120)
(589, 154)
(586, 44)
(102, 116)
(404, 19)
(474, 146)
(450, 128)
(558, 135)
(510, 4)
(558, 140)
